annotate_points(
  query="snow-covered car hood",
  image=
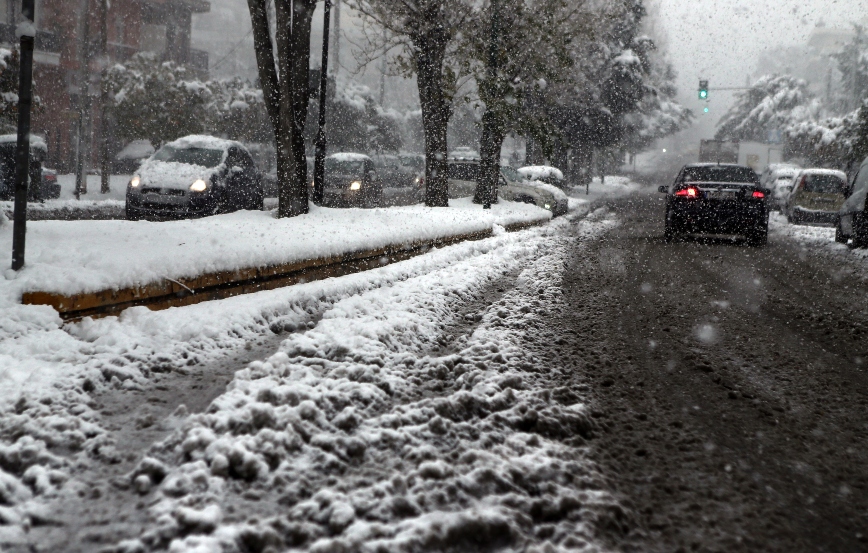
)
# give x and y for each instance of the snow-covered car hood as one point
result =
(171, 174)
(540, 172)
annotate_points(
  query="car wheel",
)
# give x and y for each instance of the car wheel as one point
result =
(839, 234)
(131, 215)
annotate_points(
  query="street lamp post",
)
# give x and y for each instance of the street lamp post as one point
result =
(319, 159)
(27, 33)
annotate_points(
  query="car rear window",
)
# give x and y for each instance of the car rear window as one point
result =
(462, 171)
(824, 184)
(717, 173)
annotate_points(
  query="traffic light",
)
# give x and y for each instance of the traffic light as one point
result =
(703, 90)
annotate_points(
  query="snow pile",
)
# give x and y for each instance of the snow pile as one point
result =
(390, 426)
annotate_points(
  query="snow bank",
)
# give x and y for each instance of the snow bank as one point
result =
(73, 257)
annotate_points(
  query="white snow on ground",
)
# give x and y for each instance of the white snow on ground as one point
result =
(378, 433)
(93, 199)
(71, 257)
(48, 370)
(814, 236)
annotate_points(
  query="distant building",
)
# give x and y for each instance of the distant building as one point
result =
(69, 32)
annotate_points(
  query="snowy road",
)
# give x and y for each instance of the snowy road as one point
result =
(582, 386)
(730, 382)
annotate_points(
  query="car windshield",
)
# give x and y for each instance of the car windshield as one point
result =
(414, 162)
(344, 167)
(511, 174)
(203, 157)
(824, 184)
(719, 173)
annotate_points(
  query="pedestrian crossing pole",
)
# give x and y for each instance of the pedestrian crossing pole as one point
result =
(26, 32)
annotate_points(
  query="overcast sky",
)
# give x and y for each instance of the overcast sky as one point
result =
(721, 40)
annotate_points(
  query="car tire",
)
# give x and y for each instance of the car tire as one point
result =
(131, 215)
(839, 234)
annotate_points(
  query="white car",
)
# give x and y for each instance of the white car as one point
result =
(545, 174)
(463, 174)
(778, 178)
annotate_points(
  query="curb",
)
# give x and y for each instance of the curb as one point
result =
(225, 284)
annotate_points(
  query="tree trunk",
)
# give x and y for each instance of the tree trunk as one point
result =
(286, 91)
(493, 135)
(300, 47)
(436, 110)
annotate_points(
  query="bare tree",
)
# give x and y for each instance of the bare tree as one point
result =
(428, 27)
(283, 62)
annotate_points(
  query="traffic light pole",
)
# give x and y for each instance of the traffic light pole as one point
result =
(319, 159)
(26, 30)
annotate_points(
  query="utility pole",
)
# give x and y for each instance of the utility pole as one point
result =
(491, 192)
(83, 141)
(319, 159)
(26, 32)
(336, 38)
(383, 72)
(105, 167)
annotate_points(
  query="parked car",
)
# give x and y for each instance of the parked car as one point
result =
(195, 176)
(852, 222)
(717, 199)
(392, 171)
(131, 156)
(50, 186)
(816, 196)
(8, 148)
(351, 181)
(462, 175)
(544, 173)
(778, 177)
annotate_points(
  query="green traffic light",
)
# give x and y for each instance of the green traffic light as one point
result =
(705, 110)
(703, 94)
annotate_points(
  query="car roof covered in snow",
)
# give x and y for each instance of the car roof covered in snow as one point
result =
(821, 171)
(36, 142)
(205, 142)
(350, 156)
(539, 172)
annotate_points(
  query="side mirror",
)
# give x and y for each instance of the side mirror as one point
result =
(663, 189)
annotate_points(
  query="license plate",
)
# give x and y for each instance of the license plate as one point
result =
(720, 195)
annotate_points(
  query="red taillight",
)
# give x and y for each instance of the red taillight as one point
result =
(758, 194)
(691, 192)
(50, 178)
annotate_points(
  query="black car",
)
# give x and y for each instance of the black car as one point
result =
(195, 176)
(852, 221)
(717, 199)
(8, 148)
(351, 181)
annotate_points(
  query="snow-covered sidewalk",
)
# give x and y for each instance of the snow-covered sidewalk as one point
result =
(364, 329)
(76, 257)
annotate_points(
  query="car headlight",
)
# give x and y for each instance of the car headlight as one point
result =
(135, 181)
(199, 186)
(548, 206)
(355, 185)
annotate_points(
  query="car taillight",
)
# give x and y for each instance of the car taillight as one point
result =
(51, 178)
(691, 192)
(758, 194)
